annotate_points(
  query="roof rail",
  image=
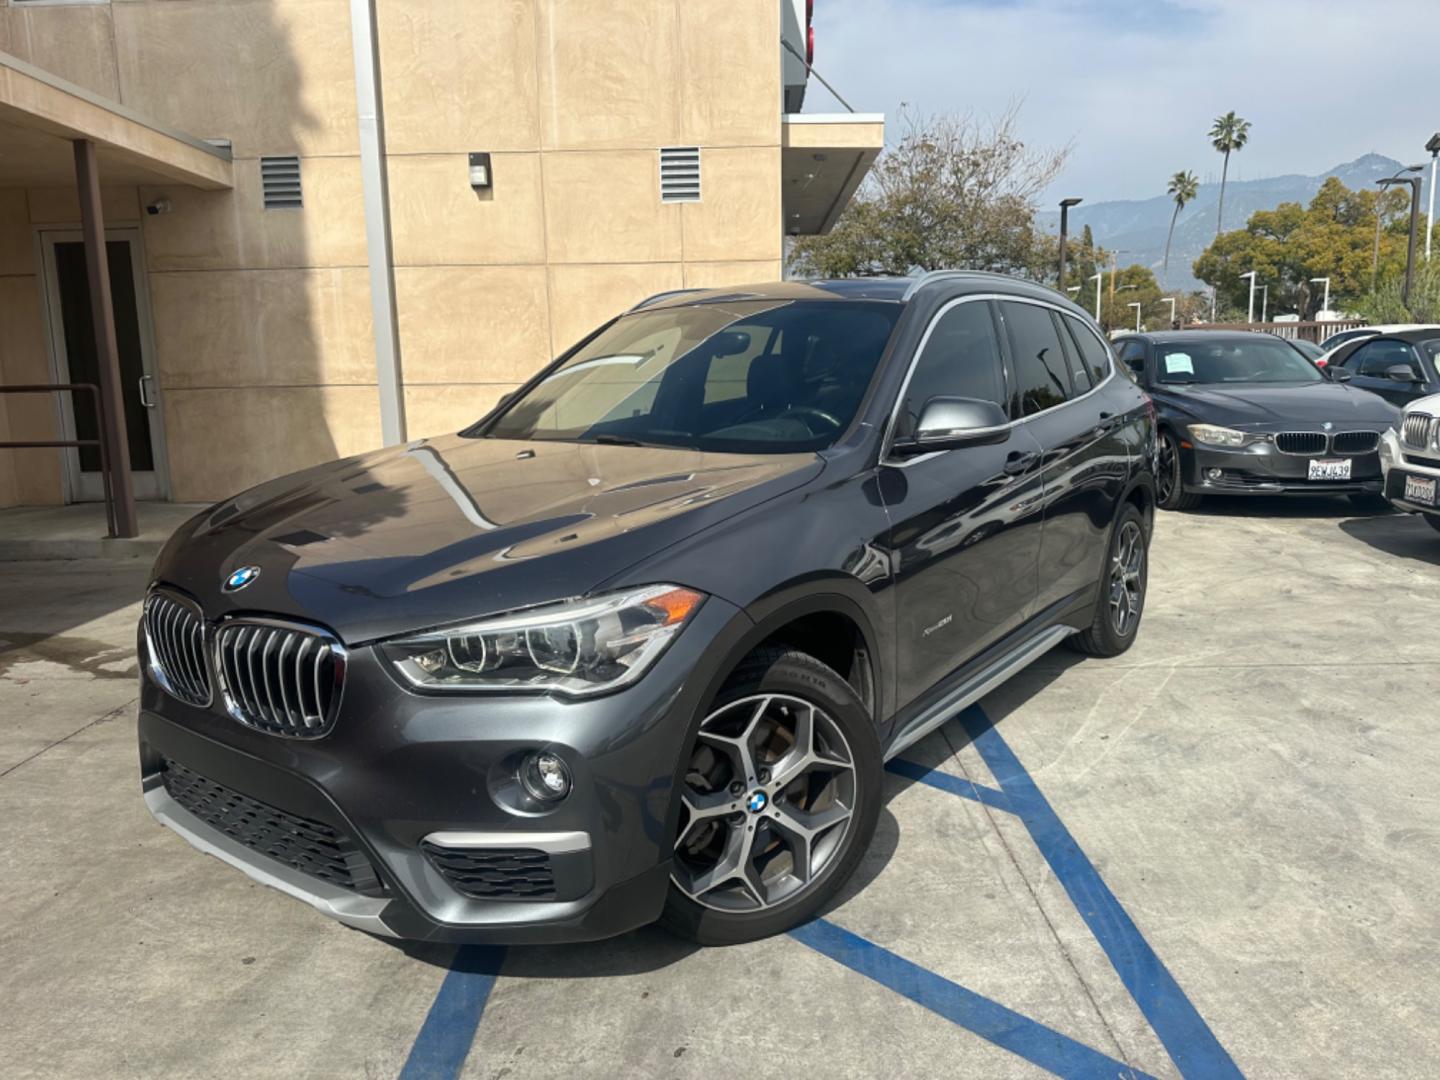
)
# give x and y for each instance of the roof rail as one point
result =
(662, 296)
(930, 276)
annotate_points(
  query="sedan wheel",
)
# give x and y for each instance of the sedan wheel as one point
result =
(1170, 493)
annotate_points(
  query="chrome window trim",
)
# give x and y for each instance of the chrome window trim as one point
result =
(338, 652)
(888, 441)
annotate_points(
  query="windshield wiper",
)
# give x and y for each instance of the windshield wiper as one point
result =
(614, 440)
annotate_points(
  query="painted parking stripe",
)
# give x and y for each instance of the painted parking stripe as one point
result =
(955, 785)
(1176, 1022)
(992, 1021)
(449, 1029)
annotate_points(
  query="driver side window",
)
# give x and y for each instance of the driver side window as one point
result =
(960, 358)
(1376, 358)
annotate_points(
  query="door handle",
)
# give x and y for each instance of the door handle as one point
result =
(1018, 463)
(147, 399)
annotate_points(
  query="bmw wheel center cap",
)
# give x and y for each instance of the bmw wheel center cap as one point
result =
(757, 802)
(238, 579)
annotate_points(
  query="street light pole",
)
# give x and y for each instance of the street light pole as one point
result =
(1264, 303)
(1250, 315)
(1414, 182)
(1375, 262)
(1324, 304)
(1171, 301)
(1098, 279)
(1434, 147)
(1065, 205)
(1137, 308)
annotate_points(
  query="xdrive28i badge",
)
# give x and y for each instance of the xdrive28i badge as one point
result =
(238, 579)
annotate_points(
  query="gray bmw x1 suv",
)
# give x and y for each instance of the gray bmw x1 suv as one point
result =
(636, 645)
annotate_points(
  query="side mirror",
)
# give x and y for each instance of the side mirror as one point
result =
(1338, 374)
(1405, 373)
(950, 422)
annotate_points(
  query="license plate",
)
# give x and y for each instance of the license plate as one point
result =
(1330, 470)
(1419, 490)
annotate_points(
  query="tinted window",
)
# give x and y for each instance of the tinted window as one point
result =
(1132, 358)
(1080, 379)
(961, 359)
(749, 377)
(1092, 350)
(1041, 381)
(1377, 357)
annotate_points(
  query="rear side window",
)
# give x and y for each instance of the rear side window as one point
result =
(961, 358)
(1041, 381)
(1132, 356)
(1092, 350)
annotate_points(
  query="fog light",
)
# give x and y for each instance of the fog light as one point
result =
(1214, 474)
(545, 777)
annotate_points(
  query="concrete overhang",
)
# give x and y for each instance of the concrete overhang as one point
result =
(41, 116)
(824, 156)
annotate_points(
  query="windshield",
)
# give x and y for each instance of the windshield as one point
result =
(1262, 360)
(747, 377)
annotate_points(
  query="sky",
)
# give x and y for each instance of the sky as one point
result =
(1134, 85)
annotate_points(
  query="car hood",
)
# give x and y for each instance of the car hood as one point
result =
(1274, 406)
(449, 529)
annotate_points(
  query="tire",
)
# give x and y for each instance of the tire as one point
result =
(1127, 568)
(1170, 493)
(762, 705)
(1371, 504)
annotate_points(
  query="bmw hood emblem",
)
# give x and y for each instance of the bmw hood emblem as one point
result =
(756, 802)
(238, 579)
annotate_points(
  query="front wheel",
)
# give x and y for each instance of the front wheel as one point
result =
(1170, 493)
(1122, 590)
(779, 801)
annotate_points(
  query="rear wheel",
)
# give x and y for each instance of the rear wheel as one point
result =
(779, 801)
(1170, 493)
(1122, 592)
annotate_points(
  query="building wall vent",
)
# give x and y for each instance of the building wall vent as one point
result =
(679, 174)
(280, 182)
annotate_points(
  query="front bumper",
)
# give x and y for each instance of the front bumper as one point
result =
(1263, 470)
(405, 785)
(1400, 461)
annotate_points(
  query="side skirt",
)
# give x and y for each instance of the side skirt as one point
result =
(977, 686)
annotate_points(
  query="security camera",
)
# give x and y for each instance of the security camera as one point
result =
(159, 206)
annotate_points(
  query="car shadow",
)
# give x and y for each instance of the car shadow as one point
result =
(1285, 506)
(1404, 536)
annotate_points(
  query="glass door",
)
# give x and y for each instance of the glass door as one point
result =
(72, 343)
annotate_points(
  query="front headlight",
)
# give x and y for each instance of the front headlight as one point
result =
(578, 647)
(1212, 435)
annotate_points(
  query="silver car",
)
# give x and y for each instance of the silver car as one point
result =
(1410, 460)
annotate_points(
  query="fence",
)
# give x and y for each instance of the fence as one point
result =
(1301, 331)
(100, 429)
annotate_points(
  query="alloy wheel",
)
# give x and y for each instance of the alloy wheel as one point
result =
(767, 801)
(1167, 476)
(1127, 586)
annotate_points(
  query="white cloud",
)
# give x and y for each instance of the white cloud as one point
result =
(1135, 85)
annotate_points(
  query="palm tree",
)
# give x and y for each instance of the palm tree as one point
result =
(1229, 134)
(1183, 187)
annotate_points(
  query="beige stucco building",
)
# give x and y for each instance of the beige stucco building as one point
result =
(251, 285)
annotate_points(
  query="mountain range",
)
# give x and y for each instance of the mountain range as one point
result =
(1136, 228)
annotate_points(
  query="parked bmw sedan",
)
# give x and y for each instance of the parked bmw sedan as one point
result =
(636, 644)
(1245, 414)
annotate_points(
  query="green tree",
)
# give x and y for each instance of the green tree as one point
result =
(1183, 188)
(1134, 284)
(954, 192)
(1228, 135)
(1332, 237)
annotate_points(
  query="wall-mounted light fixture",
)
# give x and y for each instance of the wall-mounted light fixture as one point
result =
(480, 177)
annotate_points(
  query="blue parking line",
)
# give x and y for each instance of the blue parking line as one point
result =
(1176, 1022)
(444, 1040)
(955, 785)
(992, 1021)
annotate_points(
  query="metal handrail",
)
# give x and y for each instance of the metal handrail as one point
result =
(66, 444)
